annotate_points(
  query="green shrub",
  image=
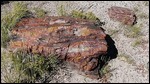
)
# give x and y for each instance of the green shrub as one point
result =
(83, 15)
(104, 67)
(104, 70)
(34, 66)
(90, 16)
(132, 31)
(9, 20)
(29, 68)
(136, 43)
(61, 11)
(39, 12)
(76, 14)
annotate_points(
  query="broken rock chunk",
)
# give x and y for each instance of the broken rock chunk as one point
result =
(124, 15)
(76, 41)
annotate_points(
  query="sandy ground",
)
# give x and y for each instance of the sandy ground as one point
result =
(121, 69)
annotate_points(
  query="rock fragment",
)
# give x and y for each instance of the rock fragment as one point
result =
(124, 15)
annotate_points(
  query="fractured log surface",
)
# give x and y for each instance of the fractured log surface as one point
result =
(74, 40)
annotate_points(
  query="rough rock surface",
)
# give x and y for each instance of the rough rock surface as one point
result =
(121, 14)
(77, 41)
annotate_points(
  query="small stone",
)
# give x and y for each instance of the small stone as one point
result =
(124, 15)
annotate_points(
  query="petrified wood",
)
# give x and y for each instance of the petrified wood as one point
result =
(76, 41)
(124, 15)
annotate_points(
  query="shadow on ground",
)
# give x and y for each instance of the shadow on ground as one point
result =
(111, 53)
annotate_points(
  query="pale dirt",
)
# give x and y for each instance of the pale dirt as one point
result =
(122, 70)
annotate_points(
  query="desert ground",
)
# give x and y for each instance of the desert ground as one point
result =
(132, 62)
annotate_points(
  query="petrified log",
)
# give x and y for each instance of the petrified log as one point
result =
(74, 40)
(123, 15)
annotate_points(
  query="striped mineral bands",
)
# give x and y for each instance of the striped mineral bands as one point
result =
(74, 40)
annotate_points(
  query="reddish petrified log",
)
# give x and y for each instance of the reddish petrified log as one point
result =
(123, 15)
(74, 40)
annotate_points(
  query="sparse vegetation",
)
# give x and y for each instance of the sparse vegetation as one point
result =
(137, 42)
(76, 13)
(27, 68)
(22, 67)
(39, 12)
(133, 31)
(146, 3)
(112, 32)
(143, 15)
(83, 15)
(5, 67)
(104, 70)
(104, 67)
(8, 21)
(105, 77)
(126, 58)
(140, 14)
(61, 11)
(136, 9)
